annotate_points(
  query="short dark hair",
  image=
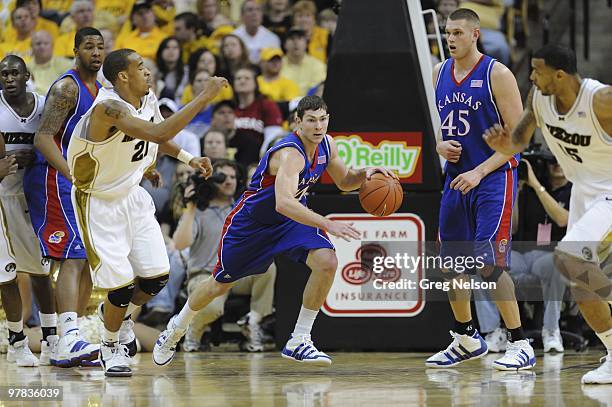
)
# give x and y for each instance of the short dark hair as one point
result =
(559, 57)
(465, 14)
(15, 58)
(190, 19)
(310, 103)
(116, 62)
(84, 32)
(222, 103)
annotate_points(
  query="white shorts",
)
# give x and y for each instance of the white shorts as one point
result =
(589, 228)
(20, 249)
(122, 238)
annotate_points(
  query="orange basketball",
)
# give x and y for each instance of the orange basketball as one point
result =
(380, 195)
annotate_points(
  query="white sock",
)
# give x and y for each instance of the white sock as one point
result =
(110, 337)
(68, 323)
(15, 326)
(184, 317)
(254, 318)
(307, 317)
(130, 309)
(606, 338)
(48, 320)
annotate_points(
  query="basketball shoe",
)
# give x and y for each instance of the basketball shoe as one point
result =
(20, 354)
(74, 351)
(48, 350)
(165, 346)
(601, 375)
(253, 333)
(461, 349)
(115, 360)
(127, 336)
(519, 356)
(301, 349)
(552, 341)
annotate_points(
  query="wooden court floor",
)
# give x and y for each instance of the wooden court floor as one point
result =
(355, 379)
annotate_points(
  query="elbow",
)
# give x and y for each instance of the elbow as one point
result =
(281, 207)
(562, 222)
(179, 243)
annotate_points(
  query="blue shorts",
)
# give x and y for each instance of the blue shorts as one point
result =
(48, 194)
(480, 222)
(248, 247)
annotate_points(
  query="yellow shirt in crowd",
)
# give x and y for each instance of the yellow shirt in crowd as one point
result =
(64, 45)
(279, 90)
(317, 46)
(226, 94)
(20, 48)
(308, 74)
(145, 44)
(59, 5)
(10, 34)
(44, 75)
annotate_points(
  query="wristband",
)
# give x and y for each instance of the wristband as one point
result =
(184, 156)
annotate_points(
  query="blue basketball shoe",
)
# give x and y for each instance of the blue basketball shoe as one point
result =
(519, 356)
(301, 349)
(461, 349)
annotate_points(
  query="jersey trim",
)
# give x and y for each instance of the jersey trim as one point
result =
(10, 108)
(452, 69)
(553, 102)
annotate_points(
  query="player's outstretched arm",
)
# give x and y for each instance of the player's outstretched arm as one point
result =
(199, 163)
(61, 101)
(289, 163)
(114, 114)
(512, 141)
(602, 107)
(348, 179)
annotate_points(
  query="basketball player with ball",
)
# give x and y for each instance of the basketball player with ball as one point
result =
(272, 218)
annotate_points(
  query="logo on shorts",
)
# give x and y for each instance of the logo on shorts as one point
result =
(10, 267)
(56, 237)
(587, 254)
(227, 276)
(45, 261)
(502, 245)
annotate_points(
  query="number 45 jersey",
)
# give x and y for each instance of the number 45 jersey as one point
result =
(580, 144)
(467, 108)
(109, 169)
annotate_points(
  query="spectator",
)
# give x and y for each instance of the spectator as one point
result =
(277, 17)
(535, 263)
(233, 55)
(118, 10)
(224, 118)
(187, 140)
(200, 230)
(21, 19)
(45, 69)
(186, 31)
(210, 18)
(203, 59)
(258, 119)
(201, 123)
(55, 10)
(164, 12)
(493, 40)
(214, 145)
(40, 23)
(329, 21)
(171, 69)
(253, 34)
(304, 18)
(147, 36)
(271, 83)
(82, 12)
(298, 66)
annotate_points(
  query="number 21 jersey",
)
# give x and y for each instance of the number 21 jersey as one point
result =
(111, 168)
(467, 108)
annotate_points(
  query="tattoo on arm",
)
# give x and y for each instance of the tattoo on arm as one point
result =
(114, 110)
(524, 128)
(61, 101)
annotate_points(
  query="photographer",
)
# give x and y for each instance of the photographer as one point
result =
(200, 227)
(539, 218)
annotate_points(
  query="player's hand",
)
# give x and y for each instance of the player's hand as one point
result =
(467, 181)
(344, 230)
(25, 158)
(532, 180)
(450, 150)
(203, 164)
(387, 173)
(154, 178)
(500, 139)
(8, 166)
(213, 86)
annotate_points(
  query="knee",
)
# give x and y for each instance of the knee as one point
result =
(491, 274)
(216, 288)
(152, 286)
(325, 262)
(121, 297)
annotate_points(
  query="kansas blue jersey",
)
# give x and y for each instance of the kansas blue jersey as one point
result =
(467, 109)
(85, 99)
(261, 202)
